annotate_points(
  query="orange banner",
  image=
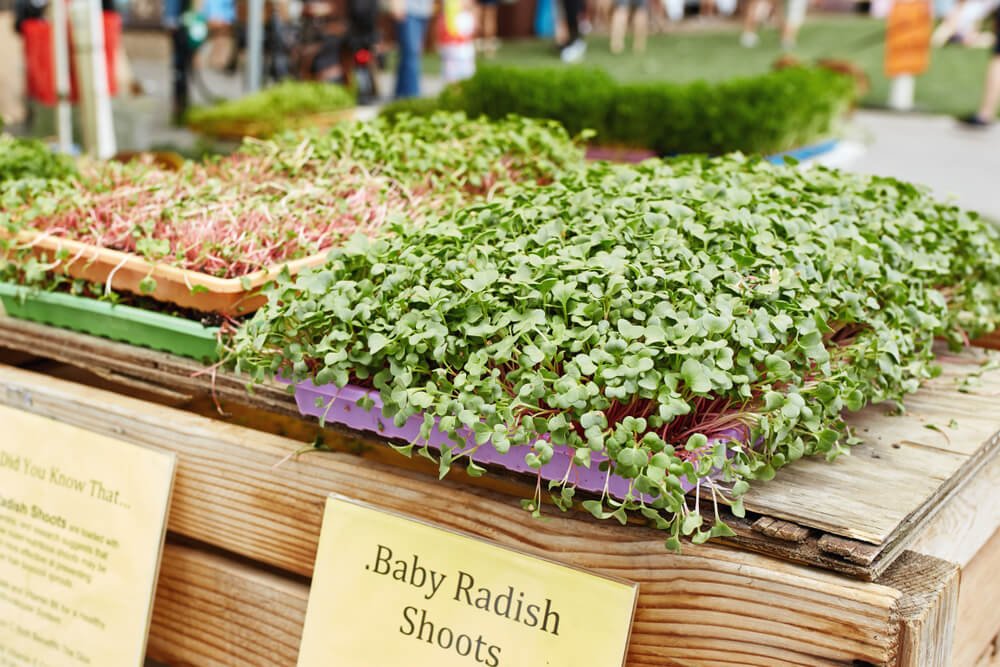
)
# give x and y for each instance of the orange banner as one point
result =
(908, 37)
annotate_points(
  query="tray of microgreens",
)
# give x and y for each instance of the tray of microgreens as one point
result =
(287, 105)
(208, 235)
(697, 323)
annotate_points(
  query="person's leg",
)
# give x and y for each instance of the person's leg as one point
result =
(489, 27)
(751, 17)
(467, 65)
(619, 26)
(657, 16)
(561, 35)
(640, 27)
(446, 54)
(795, 16)
(572, 50)
(602, 13)
(990, 103)
(991, 92)
(571, 8)
(181, 69)
(411, 43)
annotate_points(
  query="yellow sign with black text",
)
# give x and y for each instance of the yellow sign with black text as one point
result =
(396, 592)
(82, 522)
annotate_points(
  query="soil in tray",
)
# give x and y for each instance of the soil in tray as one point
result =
(95, 292)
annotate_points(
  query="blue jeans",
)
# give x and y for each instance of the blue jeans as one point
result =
(411, 31)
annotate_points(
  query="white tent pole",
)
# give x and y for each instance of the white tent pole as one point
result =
(60, 48)
(92, 77)
(255, 44)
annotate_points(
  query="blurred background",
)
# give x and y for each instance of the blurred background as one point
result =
(927, 73)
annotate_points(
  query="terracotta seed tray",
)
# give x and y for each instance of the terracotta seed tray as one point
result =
(126, 271)
(235, 130)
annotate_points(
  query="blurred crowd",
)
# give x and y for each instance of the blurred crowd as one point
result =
(345, 41)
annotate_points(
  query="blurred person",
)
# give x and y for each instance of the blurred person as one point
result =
(219, 16)
(602, 11)
(659, 20)
(726, 7)
(961, 24)
(990, 103)
(12, 75)
(573, 49)
(545, 18)
(456, 31)
(411, 18)
(792, 18)
(179, 20)
(586, 25)
(674, 9)
(487, 22)
(753, 15)
(619, 25)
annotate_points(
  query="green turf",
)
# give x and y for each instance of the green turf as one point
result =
(952, 85)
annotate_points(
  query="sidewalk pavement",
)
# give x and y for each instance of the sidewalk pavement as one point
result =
(935, 151)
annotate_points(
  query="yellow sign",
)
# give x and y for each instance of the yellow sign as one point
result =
(82, 521)
(395, 592)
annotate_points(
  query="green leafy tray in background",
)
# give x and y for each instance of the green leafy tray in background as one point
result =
(117, 322)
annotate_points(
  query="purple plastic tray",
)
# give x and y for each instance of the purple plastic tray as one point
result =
(339, 405)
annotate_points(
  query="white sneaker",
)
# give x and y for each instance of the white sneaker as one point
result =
(573, 53)
(749, 40)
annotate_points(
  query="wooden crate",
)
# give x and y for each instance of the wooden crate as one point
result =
(884, 557)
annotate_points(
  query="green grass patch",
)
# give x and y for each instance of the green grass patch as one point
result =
(952, 85)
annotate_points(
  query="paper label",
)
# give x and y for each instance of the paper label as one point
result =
(82, 522)
(394, 592)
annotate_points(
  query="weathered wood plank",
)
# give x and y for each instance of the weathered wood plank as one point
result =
(234, 491)
(213, 611)
(966, 522)
(928, 608)
(138, 364)
(217, 612)
(828, 496)
(977, 637)
(903, 470)
(991, 656)
(881, 495)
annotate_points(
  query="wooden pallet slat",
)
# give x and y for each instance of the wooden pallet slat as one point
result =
(821, 498)
(244, 492)
(234, 491)
(212, 612)
(977, 639)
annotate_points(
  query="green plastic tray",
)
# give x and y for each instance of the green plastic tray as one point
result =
(124, 323)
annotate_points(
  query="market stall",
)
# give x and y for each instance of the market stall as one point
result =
(889, 568)
(743, 394)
